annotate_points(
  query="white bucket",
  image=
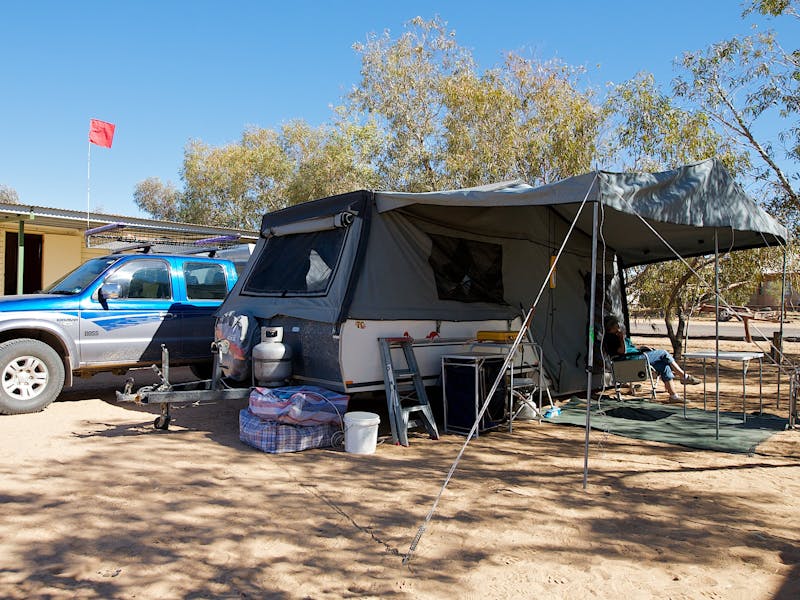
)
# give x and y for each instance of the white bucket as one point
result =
(360, 432)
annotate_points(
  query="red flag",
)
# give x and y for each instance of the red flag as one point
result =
(101, 133)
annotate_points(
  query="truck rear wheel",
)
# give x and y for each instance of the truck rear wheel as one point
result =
(31, 376)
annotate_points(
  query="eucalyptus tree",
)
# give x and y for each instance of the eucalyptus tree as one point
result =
(649, 131)
(234, 184)
(525, 119)
(743, 82)
(331, 160)
(402, 90)
(446, 124)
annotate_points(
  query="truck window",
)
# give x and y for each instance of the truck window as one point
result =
(205, 281)
(143, 279)
(76, 281)
(298, 264)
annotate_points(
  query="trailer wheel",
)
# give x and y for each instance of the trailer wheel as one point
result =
(162, 422)
(31, 376)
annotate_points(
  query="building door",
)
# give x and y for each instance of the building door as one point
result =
(32, 266)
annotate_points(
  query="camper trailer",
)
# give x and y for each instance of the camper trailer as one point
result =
(337, 274)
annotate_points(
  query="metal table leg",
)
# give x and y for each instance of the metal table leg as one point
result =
(745, 365)
(704, 384)
(760, 385)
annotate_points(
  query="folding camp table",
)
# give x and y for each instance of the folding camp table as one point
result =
(742, 357)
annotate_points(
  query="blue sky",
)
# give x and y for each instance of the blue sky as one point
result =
(166, 71)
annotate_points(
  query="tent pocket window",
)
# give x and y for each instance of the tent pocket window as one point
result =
(467, 270)
(298, 265)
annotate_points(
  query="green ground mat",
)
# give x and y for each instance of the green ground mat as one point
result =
(666, 423)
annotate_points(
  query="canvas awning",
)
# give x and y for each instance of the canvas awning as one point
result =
(686, 206)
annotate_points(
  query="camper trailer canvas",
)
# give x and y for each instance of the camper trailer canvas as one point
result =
(340, 272)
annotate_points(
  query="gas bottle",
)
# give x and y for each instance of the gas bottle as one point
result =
(272, 359)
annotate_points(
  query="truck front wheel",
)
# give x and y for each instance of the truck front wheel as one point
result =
(31, 376)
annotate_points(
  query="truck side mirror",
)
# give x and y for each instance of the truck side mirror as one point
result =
(110, 291)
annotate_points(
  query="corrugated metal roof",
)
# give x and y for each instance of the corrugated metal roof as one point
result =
(132, 229)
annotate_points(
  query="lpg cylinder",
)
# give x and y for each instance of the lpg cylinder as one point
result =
(272, 359)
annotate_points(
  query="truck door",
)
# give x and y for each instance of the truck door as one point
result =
(132, 327)
(206, 288)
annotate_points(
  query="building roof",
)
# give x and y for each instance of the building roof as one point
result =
(108, 230)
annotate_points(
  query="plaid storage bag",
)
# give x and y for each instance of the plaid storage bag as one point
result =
(299, 405)
(274, 437)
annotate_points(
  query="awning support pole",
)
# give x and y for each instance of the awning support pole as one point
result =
(590, 349)
(716, 323)
(780, 335)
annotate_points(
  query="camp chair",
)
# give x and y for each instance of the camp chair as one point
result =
(632, 368)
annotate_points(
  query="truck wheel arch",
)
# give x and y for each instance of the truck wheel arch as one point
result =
(31, 375)
(52, 339)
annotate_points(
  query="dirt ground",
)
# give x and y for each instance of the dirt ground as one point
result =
(98, 504)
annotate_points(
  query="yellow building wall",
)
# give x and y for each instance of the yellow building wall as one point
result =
(62, 249)
(87, 253)
(60, 254)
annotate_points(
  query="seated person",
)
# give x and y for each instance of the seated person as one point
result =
(616, 344)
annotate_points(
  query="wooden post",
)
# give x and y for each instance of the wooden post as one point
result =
(776, 351)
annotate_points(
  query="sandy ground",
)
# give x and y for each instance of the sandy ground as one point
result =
(98, 504)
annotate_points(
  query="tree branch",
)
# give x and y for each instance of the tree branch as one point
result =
(744, 130)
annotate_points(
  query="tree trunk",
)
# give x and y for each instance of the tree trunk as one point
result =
(675, 335)
(677, 343)
(674, 302)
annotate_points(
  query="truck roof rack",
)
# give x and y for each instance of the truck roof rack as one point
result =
(212, 252)
(143, 248)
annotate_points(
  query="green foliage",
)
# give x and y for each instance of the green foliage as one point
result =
(445, 125)
(737, 82)
(160, 199)
(235, 184)
(403, 88)
(773, 8)
(650, 132)
(523, 120)
(330, 161)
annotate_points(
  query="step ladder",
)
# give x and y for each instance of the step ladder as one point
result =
(405, 392)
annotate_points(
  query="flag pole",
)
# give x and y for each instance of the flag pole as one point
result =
(102, 134)
(88, 180)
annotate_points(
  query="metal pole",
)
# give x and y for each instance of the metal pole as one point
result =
(88, 184)
(779, 353)
(590, 350)
(716, 323)
(20, 254)
(685, 349)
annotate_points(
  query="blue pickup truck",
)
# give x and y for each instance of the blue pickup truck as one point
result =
(110, 314)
